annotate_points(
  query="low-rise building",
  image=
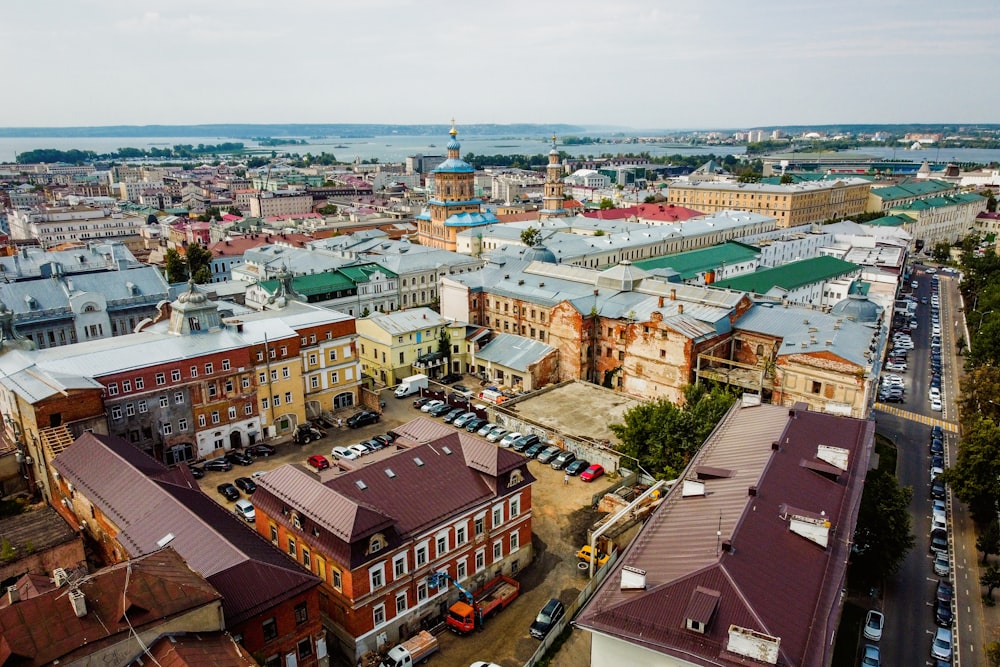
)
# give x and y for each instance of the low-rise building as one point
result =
(376, 537)
(944, 219)
(395, 345)
(805, 281)
(517, 362)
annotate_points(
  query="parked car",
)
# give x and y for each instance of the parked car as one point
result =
(937, 432)
(363, 418)
(942, 566)
(548, 454)
(899, 368)
(450, 378)
(439, 410)
(941, 645)
(945, 591)
(429, 405)
(318, 461)
(874, 622)
(938, 489)
(936, 405)
(344, 453)
(592, 473)
(562, 460)
(576, 467)
(937, 446)
(534, 450)
(453, 415)
(463, 419)
(509, 439)
(942, 614)
(219, 465)
(240, 458)
(244, 509)
(550, 614)
(525, 441)
(939, 541)
(260, 450)
(360, 449)
(871, 657)
(385, 438)
(228, 491)
(422, 401)
(473, 425)
(196, 471)
(374, 444)
(245, 484)
(485, 428)
(497, 434)
(257, 474)
(462, 389)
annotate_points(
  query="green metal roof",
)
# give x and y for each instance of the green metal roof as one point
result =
(810, 177)
(791, 275)
(362, 272)
(911, 188)
(939, 202)
(891, 221)
(689, 264)
(315, 283)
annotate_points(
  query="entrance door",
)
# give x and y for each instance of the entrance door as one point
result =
(235, 439)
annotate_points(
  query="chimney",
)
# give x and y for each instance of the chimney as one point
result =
(680, 309)
(79, 602)
(727, 546)
(673, 295)
(59, 577)
(752, 491)
(13, 595)
(659, 302)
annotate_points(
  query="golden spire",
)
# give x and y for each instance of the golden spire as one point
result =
(453, 132)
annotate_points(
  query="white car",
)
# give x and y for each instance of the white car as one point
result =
(430, 405)
(936, 405)
(344, 453)
(509, 439)
(930, 270)
(904, 344)
(360, 450)
(891, 366)
(938, 523)
(935, 471)
(496, 434)
(257, 474)
(892, 381)
(874, 623)
(485, 429)
(933, 393)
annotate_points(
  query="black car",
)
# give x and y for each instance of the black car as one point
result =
(419, 402)
(535, 449)
(450, 377)
(937, 461)
(939, 541)
(453, 415)
(385, 439)
(239, 458)
(550, 614)
(196, 471)
(574, 468)
(245, 484)
(937, 447)
(945, 591)
(440, 410)
(456, 397)
(525, 441)
(937, 432)
(563, 460)
(220, 465)
(942, 614)
(474, 424)
(938, 489)
(260, 450)
(363, 418)
(228, 491)
(461, 389)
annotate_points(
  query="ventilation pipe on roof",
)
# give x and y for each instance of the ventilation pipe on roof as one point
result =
(13, 595)
(59, 577)
(659, 302)
(79, 602)
(680, 309)
(633, 579)
(673, 295)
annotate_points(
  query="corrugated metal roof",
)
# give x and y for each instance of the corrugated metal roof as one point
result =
(515, 352)
(848, 340)
(690, 264)
(683, 545)
(401, 322)
(792, 275)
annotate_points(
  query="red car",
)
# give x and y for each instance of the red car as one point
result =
(318, 461)
(592, 473)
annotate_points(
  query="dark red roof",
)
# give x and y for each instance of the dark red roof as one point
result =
(196, 650)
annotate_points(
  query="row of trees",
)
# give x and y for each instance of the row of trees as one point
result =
(74, 156)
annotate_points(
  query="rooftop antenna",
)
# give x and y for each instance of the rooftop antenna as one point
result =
(718, 536)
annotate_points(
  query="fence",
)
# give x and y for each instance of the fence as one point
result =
(628, 478)
(571, 611)
(591, 451)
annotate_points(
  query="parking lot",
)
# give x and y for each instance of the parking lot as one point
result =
(561, 516)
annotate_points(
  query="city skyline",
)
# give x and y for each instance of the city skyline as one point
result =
(632, 64)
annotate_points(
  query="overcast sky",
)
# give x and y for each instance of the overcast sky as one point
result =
(631, 63)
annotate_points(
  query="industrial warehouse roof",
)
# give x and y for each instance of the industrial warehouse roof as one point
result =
(690, 264)
(732, 529)
(514, 352)
(791, 276)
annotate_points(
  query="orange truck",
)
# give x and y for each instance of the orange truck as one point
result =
(473, 609)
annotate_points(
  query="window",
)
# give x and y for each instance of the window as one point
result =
(175, 375)
(209, 368)
(817, 387)
(312, 359)
(201, 421)
(421, 553)
(248, 409)
(400, 602)
(113, 389)
(292, 551)
(212, 391)
(274, 375)
(460, 537)
(182, 424)
(497, 550)
(497, 515)
(461, 570)
(334, 377)
(116, 412)
(245, 382)
(225, 364)
(164, 401)
(305, 648)
(333, 355)
(515, 541)
(264, 402)
(276, 400)
(480, 559)
(142, 406)
(161, 379)
(274, 534)
(126, 386)
(262, 378)
(378, 614)
(179, 397)
(229, 386)
(337, 581)
(129, 410)
(232, 412)
(288, 397)
(376, 576)
(260, 355)
(441, 545)
(480, 525)
(194, 371)
(284, 350)
(285, 373)
(270, 628)
(421, 591)
(515, 507)
(399, 566)
(314, 382)
(139, 384)
(215, 416)
(301, 613)
(167, 428)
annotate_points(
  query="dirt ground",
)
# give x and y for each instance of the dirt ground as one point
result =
(561, 515)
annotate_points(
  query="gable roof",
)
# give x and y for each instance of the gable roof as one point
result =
(791, 276)
(765, 555)
(689, 264)
(515, 352)
(146, 501)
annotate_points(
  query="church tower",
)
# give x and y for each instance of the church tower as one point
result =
(552, 199)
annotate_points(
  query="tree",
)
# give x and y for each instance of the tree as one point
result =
(531, 237)
(650, 199)
(197, 259)
(444, 346)
(941, 252)
(975, 477)
(663, 436)
(606, 204)
(235, 210)
(882, 535)
(989, 540)
(748, 175)
(786, 179)
(991, 200)
(210, 213)
(991, 579)
(328, 209)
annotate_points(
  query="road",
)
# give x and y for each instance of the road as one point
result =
(909, 595)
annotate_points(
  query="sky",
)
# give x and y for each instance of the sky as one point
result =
(643, 64)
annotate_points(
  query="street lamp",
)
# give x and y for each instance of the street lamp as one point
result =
(982, 316)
